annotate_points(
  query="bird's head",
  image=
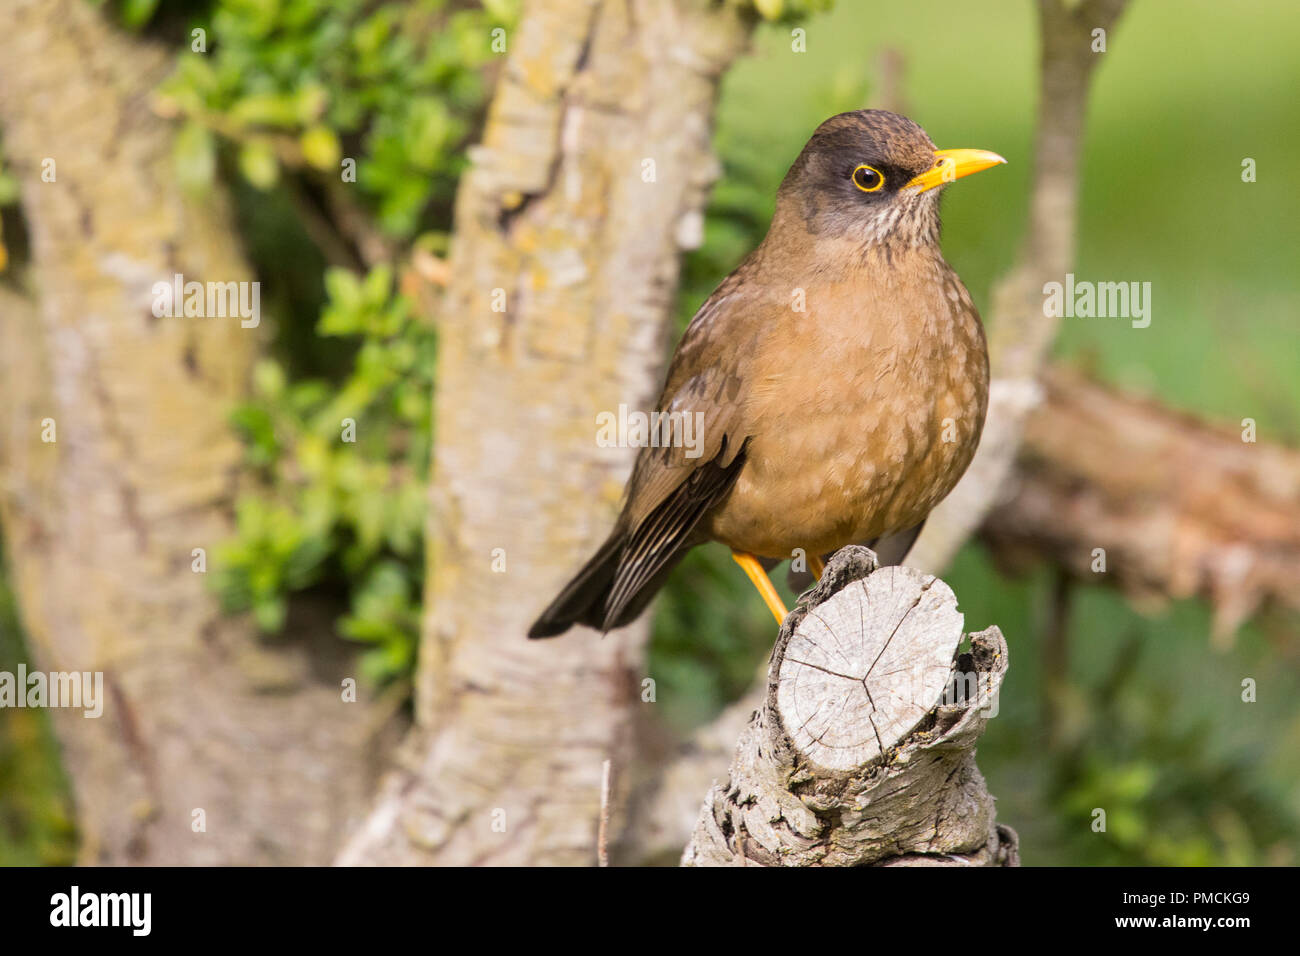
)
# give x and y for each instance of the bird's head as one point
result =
(873, 177)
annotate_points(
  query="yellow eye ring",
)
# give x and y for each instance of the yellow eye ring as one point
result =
(868, 178)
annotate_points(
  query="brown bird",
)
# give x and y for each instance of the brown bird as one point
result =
(839, 375)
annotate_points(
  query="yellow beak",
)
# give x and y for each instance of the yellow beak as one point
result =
(951, 165)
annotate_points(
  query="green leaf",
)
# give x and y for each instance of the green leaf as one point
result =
(378, 284)
(136, 13)
(8, 189)
(268, 379)
(311, 102)
(269, 613)
(266, 109)
(259, 165)
(195, 156)
(320, 147)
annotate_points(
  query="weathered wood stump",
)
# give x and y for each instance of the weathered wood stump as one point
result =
(864, 749)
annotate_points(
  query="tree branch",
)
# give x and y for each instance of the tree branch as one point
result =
(863, 750)
(1181, 508)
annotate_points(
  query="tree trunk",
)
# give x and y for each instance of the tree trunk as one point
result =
(590, 181)
(101, 523)
(863, 751)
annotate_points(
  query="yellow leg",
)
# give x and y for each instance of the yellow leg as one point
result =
(758, 577)
(815, 566)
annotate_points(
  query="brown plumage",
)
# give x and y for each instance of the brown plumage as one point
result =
(845, 422)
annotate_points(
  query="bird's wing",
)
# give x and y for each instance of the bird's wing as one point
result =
(674, 485)
(706, 381)
(661, 537)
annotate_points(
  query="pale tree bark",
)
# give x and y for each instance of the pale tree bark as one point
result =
(100, 524)
(569, 226)
(863, 750)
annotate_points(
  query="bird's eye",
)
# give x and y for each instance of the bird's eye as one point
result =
(868, 178)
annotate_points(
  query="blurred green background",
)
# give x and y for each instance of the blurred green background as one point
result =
(1151, 727)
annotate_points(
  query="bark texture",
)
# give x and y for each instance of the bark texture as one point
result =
(100, 523)
(589, 182)
(863, 750)
(1181, 508)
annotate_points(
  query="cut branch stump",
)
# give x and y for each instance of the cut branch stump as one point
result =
(864, 749)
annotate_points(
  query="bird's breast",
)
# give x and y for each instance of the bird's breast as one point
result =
(863, 412)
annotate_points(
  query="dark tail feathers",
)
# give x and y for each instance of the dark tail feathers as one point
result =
(583, 599)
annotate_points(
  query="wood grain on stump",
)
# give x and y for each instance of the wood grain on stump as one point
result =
(864, 668)
(863, 752)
